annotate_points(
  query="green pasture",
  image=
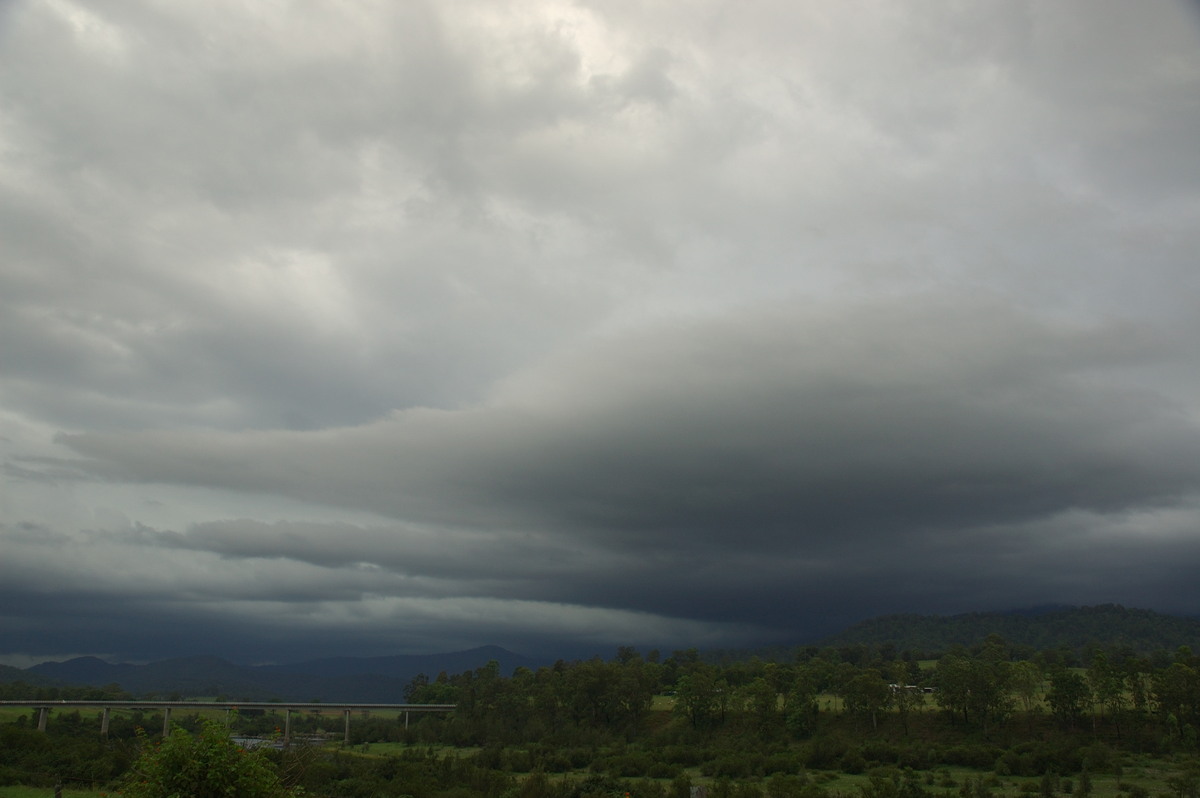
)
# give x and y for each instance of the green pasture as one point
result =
(45, 792)
(10, 714)
(950, 780)
(385, 749)
(1152, 776)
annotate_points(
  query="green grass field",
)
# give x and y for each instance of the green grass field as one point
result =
(45, 792)
(384, 749)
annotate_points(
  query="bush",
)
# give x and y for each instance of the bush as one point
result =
(732, 766)
(915, 758)
(556, 763)
(785, 762)
(686, 755)
(784, 786)
(598, 786)
(880, 753)
(824, 753)
(662, 770)
(1098, 758)
(628, 765)
(206, 765)
(852, 763)
(972, 756)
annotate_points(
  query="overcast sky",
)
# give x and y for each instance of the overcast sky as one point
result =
(400, 327)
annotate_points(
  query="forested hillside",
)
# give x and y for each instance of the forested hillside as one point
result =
(1073, 633)
(1074, 629)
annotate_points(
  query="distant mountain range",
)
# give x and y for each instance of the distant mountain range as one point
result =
(352, 679)
(383, 679)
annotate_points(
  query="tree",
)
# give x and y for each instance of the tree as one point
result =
(1177, 692)
(904, 698)
(976, 687)
(761, 701)
(800, 703)
(1137, 682)
(415, 687)
(1068, 696)
(867, 694)
(1108, 688)
(699, 696)
(953, 680)
(1027, 683)
(205, 765)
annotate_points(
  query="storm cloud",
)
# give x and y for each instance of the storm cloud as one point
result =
(562, 326)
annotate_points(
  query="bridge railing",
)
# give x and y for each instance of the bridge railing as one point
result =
(347, 709)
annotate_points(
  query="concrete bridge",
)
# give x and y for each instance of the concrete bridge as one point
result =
(165, 707)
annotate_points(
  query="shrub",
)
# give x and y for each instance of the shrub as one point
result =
(880, 752)
(205, 765)
(914, 757)
(971, 756)
(556, 763)
(662, 770)
(686, 755)
(852, 763)
(824, 753)
(784, 786)
(783, 762)
(598, 785)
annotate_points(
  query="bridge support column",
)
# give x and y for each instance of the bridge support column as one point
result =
(104, 723)
(166, 721)
(346, 739)
(287, 727)
(42, 713)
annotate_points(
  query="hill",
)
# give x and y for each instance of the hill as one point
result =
(383, 679)
(357, 679)
(1075, 628)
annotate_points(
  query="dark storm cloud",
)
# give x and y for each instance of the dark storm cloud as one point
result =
(751, 469)
(390, 327)
(794, 424)
(423, 556)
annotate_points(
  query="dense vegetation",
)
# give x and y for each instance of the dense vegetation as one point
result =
(1074, 629)
(866, 721)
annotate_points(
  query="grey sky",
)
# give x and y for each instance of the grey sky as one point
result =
(403, 327)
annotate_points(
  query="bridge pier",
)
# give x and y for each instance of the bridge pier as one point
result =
(287, 727)
(43, 710)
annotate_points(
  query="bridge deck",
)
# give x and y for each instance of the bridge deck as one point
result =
(287, 707)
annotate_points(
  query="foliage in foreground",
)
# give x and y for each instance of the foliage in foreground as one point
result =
(208, 764)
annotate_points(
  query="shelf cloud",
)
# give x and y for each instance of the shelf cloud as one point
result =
(563, 326)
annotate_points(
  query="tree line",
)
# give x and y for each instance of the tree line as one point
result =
(1118, 694)
(651, 726)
